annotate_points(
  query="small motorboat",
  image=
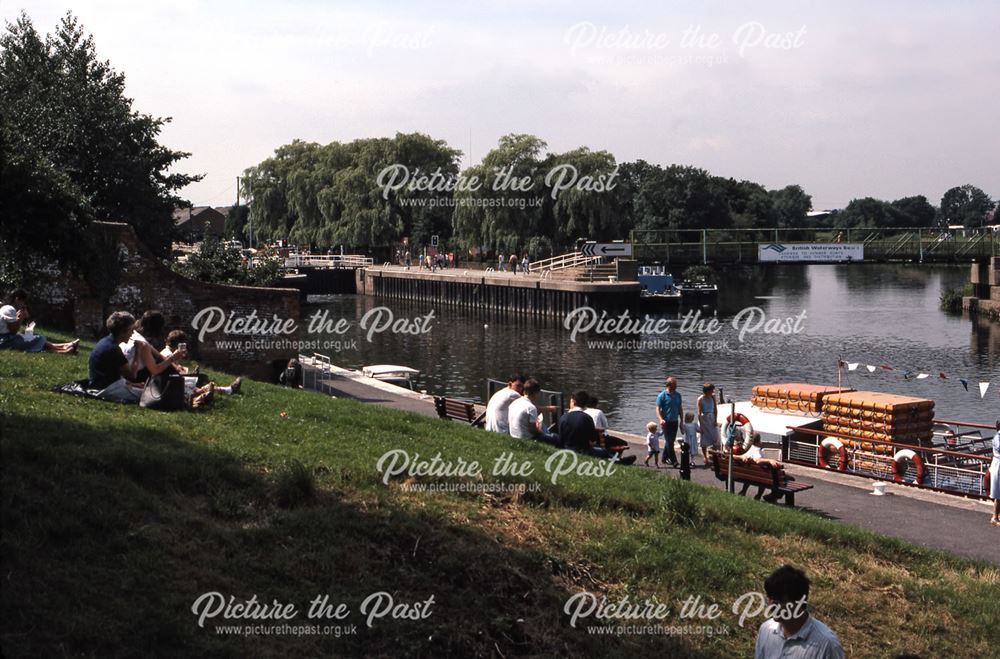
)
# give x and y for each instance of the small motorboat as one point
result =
(698, 291)
(401, 376)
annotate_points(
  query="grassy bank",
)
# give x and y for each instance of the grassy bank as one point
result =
(115, 519)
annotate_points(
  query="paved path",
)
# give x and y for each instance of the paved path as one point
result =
(929, 519)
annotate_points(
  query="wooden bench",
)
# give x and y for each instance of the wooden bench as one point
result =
(459, 410)
(766, 475)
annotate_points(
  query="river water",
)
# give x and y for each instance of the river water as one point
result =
(877, 314)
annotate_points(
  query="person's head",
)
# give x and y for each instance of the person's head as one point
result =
(151, 324)
(516, 382)
(175, 338)
(651, 426)
(708, 389)
(18, 298)
(119, 325)
(532, 388)
(788, 586)
(998, 424)
(756, 439)
(293, 363)
(689, 417)
(671, 383)
(593, 402)
(580, 399)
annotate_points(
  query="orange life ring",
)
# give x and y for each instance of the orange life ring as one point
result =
(832, 444)
(899, 470)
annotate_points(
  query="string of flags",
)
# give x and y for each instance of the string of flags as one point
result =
(913, 375)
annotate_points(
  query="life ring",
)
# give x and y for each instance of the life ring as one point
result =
(746, 429)
(899, 466)
(834, 445)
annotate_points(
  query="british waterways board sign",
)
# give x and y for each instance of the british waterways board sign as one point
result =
(814, 252)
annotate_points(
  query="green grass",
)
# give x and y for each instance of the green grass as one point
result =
(115, 519)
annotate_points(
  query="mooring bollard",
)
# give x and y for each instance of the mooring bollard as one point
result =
(685, 462)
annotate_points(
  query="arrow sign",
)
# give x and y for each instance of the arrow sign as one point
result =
(606, 249)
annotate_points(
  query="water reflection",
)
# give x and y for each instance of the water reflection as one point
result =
(873, 314)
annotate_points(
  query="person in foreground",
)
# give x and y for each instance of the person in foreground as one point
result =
(793, 633)
(995, 477)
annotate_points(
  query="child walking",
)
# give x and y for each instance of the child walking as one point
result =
(691, 435)
(653, 443)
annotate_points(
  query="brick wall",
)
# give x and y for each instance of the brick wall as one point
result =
(140, 281)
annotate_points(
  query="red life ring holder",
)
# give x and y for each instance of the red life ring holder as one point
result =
(747, 431)
(834, 445)
(899, 468)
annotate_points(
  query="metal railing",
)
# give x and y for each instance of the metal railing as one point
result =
(564, 261)
(328, 261)
(956, 472)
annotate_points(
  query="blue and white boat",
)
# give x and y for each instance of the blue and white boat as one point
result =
(657, 288)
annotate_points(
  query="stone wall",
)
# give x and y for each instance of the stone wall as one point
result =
(134, 280)
(985, 299)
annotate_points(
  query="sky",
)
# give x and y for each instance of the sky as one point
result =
(847, 99)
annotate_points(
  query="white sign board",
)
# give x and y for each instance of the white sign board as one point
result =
(806, 252)
(606, 249)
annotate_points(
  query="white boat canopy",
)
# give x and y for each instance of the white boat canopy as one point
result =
(383, 370)
(766, 421)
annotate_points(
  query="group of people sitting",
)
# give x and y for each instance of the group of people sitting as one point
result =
(17, 331)
(123, 361)
(515, 410)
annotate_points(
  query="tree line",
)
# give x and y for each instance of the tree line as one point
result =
(521, 197)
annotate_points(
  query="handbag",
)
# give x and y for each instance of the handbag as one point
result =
(164, 392)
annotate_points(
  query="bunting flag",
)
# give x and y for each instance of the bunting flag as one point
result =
(909, 374)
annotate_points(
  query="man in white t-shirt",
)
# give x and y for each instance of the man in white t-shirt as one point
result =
(523, 418)
(499, 406)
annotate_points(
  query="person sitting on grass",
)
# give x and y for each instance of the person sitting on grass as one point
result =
(755, 455)
(577, 430)
(109, 368)
(498, 408)
(176, 340)
(13, 316)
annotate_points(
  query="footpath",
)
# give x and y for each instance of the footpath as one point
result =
(947, 522)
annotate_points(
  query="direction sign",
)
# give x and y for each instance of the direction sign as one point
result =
(606, 249)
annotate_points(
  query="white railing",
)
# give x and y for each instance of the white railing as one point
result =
(328, 261)
(563, 261)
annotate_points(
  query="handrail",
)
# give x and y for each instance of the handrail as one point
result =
(912, 447)
(344, 260)
(563, 261)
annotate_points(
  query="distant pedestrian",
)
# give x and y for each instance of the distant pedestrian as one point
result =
(792, 632)
(526, 264)
(500, 262)
(513, 263)
(669, 412)
(653, 443)
(409, 259)
(707, 421)
(840, 237)
(995, 477)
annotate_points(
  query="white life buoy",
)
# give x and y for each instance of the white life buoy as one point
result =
(744, 426)
(832, 444)
(899, 466)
